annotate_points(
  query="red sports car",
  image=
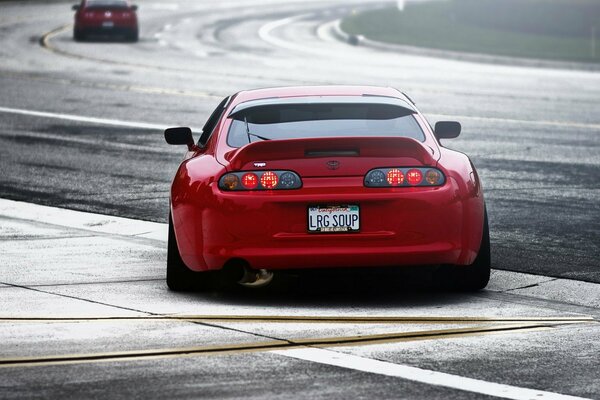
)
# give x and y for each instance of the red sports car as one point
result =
(323, 177)
(105, 17)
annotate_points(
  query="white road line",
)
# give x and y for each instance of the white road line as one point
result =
(145, 125)
(78, 118)
(562, 124)
(429, 377)
(265, 34)
(323, 33)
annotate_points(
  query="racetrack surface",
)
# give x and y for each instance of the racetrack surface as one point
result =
(81, 128)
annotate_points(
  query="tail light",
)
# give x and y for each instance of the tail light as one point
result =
(414, 177)
(395, 177)
(260, 180)
(249, 180)
(403, 177)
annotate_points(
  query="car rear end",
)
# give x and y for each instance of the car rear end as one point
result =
(333, 201)
(107, 17)
(335, 219)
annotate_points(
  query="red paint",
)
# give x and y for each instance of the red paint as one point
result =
(268, 229)
(91, 18)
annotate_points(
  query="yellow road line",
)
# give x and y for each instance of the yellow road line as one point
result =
(305, 319)
(359, 340)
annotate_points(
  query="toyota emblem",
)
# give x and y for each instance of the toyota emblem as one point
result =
(333, 164)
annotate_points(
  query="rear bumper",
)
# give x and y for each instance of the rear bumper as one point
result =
(407, 226)
(98, 26)
(100, 31)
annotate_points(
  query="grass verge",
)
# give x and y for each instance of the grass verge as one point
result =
(545, 29)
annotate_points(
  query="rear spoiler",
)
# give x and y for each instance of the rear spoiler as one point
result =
(271, 150)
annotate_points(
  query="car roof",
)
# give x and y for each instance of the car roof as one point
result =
(312, 91)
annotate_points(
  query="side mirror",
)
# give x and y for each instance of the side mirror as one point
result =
(447, 129)
(75, 7)
(179, 135)
(134, 7)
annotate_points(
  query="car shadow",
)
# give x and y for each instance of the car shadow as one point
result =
(343, 288)
(105, 39)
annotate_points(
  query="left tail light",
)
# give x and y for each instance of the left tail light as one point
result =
(403, 177)
(260, 180)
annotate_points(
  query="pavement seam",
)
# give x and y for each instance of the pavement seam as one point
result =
(530, 286)
(76, 298)
(275, 344)
(90, 283)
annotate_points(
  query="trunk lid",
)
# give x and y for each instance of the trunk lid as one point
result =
(327, 157)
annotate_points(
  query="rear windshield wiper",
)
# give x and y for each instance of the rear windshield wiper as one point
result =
(253, 134)
(260, 137)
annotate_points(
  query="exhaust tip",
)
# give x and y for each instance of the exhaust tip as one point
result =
(239, 271)
(256, 278)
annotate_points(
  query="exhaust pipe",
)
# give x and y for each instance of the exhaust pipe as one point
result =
(238, 270)
(255, 278)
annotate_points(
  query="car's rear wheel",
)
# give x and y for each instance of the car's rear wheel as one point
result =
(475, 276)
(179, 277)
(78, 35)
(133, 36)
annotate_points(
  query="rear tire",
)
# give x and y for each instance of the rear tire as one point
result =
(475, 276)
(78, 35)
(133, 36)
(179, 277)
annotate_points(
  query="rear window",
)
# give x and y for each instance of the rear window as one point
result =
(294, 121)
(107, 4)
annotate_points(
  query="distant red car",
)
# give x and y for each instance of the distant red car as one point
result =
(104, 18)
(316, 177)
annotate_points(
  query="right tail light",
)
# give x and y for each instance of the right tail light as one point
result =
(404, 177)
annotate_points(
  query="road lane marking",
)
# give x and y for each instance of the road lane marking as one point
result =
(278, 344)
(562, 124)
(79, 118)
(45, 43)
(348, 361)
(310, 319)
(87, 142)
(145, 125)
(265, 34)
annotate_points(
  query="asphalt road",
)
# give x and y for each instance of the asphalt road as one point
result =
(532, 133)
(81, 128)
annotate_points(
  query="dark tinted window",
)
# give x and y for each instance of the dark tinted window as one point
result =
(291, 121)
(212, 121)
(107, 4)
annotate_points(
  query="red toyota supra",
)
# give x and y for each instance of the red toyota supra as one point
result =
(303, 178)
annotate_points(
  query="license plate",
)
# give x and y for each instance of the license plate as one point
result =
(108, 24)
(345, 218)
